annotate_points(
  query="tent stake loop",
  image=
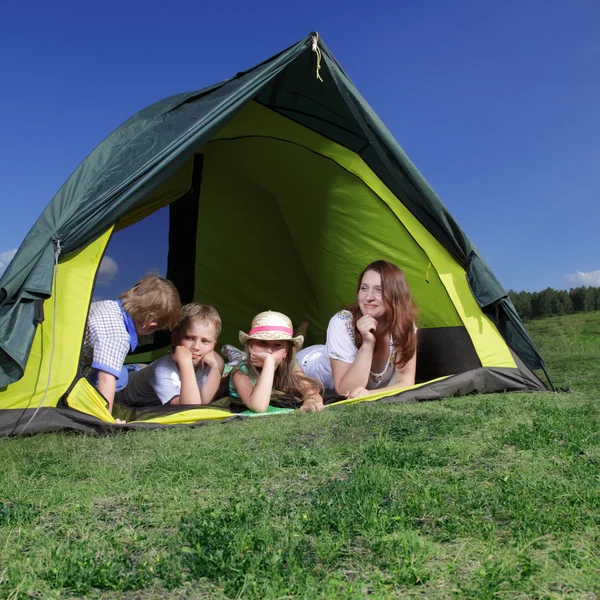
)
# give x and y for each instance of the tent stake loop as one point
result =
(317, 51)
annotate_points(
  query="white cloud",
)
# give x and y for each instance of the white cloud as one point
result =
(5, 258)
(108, 269)
(588, 279)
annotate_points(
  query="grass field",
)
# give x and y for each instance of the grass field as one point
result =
(493, 496)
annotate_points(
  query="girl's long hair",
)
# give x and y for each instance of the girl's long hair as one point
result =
(400, 313)
(289, 385)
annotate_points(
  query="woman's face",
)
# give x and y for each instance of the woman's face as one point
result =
(370, 295)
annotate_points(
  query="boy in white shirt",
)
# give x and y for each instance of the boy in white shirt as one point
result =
(190, 373)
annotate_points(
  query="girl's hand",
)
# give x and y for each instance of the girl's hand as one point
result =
(260, 359)
(312, 405)
(181, 355)
(358, 392)
(367, 326)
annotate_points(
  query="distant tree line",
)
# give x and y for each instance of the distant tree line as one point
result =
(535, 305)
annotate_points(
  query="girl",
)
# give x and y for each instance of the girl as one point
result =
(271, 369)
(371, 346)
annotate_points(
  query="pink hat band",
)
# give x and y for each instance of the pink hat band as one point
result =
(272, 326)
(256, 330)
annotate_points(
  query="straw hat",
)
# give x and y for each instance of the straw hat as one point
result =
(271, 325)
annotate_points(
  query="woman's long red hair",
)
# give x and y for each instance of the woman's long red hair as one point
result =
(400, 314)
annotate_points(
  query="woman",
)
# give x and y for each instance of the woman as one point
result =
(371, 346)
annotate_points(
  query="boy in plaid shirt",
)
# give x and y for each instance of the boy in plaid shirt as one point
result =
(113, 327)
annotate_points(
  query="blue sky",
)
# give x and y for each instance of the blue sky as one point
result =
(497, 104)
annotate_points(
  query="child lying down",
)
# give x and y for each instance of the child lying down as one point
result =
(190, 373)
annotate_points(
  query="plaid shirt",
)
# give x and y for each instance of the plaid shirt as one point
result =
(107, 341)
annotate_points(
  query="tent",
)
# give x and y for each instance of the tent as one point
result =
(287, 161)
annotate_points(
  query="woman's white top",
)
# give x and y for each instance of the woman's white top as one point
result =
(341, 345)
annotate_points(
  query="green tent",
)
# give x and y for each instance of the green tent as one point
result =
(287, 158)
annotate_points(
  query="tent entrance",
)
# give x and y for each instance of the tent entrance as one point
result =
(273, 221)
(276, 202)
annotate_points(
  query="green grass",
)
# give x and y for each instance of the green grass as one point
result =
(570, 346)
(492, 496)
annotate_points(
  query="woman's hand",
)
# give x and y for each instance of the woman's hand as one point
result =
(358, 392)
(367, 326)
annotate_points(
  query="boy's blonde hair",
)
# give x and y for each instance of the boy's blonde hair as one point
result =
(153, 299)
(194, 311)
